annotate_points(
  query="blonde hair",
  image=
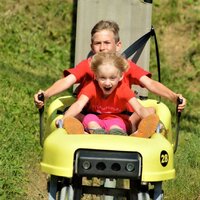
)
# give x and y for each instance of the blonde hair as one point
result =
(106, 25)
(114, 59)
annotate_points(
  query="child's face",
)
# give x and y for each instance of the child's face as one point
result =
(108, 78)
(104, 41)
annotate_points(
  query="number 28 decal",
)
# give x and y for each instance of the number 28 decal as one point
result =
(164, 158)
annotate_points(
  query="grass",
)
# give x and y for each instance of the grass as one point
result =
(35, 46)
(35, 38)
(179, 47)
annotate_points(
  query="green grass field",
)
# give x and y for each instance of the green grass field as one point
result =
(35, 42)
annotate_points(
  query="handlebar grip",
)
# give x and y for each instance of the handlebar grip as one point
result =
(178, 116)
(179, 101)
(60, 123)
(41, 98)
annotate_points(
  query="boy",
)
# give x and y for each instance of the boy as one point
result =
(105, 38)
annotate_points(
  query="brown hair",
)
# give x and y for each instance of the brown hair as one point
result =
(106, 25)
(114, 59)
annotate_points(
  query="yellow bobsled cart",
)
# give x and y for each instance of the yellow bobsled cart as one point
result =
(143, 162)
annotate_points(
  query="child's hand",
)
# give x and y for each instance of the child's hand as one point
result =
(182, 105)
(38, 103)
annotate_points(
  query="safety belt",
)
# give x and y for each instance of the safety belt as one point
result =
(137, 47)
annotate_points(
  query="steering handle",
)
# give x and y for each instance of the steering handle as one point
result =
(41, 98)
(178, 116)
(179, 101)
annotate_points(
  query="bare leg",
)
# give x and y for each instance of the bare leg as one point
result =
(93, 125)
(147, 126)
(135, 119)
(94, 128)
(80, 117)
(116, 127)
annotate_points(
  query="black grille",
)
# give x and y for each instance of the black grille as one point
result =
(108, 164)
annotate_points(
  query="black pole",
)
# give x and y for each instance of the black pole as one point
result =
(178, 117)
(41, 111)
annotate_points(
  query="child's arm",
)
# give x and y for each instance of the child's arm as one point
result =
(163, 91)
(139, 109)
(77, 106)
(58, 87)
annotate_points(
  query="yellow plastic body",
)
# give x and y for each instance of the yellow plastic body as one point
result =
(157, 151)
(58, 105)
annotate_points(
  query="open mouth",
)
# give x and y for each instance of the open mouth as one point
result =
(107, 89)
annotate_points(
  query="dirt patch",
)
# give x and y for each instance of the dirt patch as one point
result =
(175, 44)
(37, 184)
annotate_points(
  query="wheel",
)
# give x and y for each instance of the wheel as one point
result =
(158, 192)
(109, 183)
(143, 196)
(53, 185)
(66, 193)
(77, 186)
(134, 190)
(59, 189)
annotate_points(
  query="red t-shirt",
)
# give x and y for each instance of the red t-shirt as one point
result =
(111, 107)
(83, 73)
(115, 103)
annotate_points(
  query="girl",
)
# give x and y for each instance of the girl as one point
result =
(107, 98)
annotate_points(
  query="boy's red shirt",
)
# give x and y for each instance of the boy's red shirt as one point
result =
(83, 73)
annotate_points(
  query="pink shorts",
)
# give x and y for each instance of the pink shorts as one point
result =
(104, 123)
